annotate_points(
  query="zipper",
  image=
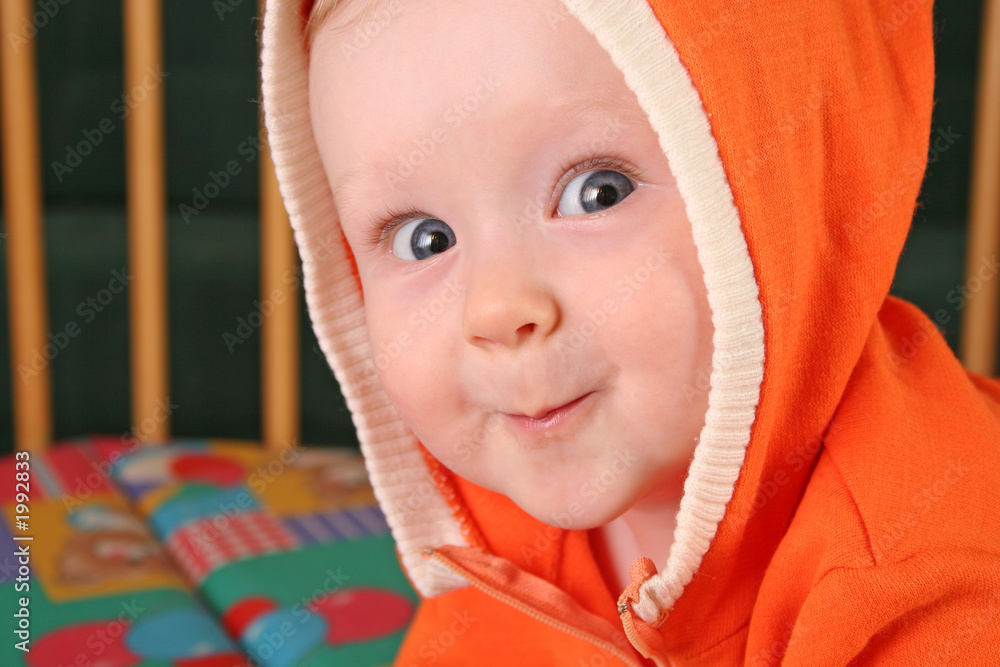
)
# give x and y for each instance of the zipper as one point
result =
(498, 594)
(628, 623)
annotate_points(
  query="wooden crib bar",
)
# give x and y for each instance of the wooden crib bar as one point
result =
(979, 321)
(22, 190)
(146, 207)
(279, 377)
(279, 364)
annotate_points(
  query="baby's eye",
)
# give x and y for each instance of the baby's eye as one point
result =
(422, 238)
(594, 191)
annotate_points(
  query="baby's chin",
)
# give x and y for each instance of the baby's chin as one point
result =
(582, 513)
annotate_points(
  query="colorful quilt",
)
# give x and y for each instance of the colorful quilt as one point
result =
(195, 554)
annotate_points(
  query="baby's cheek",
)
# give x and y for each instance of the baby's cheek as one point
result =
(417, 381)
(391, 342)
(401, 381)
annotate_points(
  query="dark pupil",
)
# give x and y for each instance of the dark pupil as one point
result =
(607, 195)
(438, 242)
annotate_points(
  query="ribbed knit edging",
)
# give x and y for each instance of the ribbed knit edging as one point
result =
(630, 32)
(416, 512)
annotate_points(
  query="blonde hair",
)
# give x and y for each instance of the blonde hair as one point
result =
(322, 10)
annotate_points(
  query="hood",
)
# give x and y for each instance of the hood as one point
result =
(798, 136)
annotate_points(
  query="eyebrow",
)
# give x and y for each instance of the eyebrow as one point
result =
(600, 103)
(347, 179)
(370, 208)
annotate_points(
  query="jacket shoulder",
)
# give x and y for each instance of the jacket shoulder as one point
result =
(886, 586)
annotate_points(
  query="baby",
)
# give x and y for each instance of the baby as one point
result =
(604, 290)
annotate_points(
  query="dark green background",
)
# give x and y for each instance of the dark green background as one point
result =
(211, 108)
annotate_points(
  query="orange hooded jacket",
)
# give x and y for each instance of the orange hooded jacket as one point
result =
(841, 505)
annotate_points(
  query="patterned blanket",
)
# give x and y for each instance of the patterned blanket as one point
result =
(196, 553)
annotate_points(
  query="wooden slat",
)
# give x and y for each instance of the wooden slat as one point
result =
(280, 329)
(279, 281)
(146, 219)
(979, 320)
(31, 379)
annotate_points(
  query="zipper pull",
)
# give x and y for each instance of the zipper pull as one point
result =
(643, 636)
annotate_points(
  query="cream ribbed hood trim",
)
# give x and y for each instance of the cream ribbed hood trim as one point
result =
(636, 41)
(416, 512)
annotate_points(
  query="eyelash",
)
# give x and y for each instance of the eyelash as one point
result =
(381, 228)
(610, 163)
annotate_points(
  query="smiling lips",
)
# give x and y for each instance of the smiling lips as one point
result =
(551, 418)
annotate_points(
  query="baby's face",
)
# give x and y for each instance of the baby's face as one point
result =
(536, 308)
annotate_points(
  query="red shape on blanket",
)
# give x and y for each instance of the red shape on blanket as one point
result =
(243, 613)
(98, 642)
(217, 660)
(361, 614)
(208, 469)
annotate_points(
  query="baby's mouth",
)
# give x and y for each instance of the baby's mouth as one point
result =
(548, 419)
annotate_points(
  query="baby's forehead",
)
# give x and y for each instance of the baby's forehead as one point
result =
(454, 75)
(444, 27)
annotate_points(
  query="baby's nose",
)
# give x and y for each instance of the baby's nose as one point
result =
(507, 307)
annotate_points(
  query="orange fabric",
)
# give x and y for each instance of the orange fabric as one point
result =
(498, 635)
(863, 527)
